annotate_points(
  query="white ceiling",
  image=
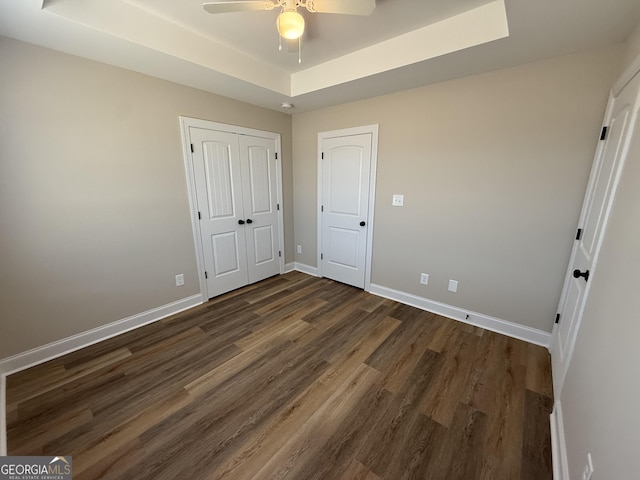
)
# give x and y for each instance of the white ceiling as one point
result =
(403, 44)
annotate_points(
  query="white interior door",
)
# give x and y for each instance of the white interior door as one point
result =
(260, 202)
(345, 172)
(218, 188)
(600, 193)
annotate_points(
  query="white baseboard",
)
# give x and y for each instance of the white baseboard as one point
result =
(498, 325)
(58, 348)
(301, 267)
(558, 445)
(289, 267)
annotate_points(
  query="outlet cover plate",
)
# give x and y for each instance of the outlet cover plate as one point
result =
(424, 278)
(453, 285)
(180, 280)
(397, 200)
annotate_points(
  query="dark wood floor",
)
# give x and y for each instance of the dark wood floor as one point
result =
(295, 377)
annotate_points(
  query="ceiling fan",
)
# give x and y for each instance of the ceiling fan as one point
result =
(290, 23)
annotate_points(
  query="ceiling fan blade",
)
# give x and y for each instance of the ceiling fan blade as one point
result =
(238, 6)
(347, 7)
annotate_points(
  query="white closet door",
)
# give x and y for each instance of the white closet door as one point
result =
(260, 201)
(218, 185)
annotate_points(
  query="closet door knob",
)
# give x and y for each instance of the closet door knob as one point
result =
(240, 222)
(362, 224)
(577, 274)
(249, 220)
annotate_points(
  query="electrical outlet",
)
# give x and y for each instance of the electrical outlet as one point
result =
(453, 285)
(424, 278)
(180, 280)
(397, 200)
(588, 468)
(299, 249)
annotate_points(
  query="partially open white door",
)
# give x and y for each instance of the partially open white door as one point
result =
(605, 174)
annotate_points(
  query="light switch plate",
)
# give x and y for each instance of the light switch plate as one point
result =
(397, 201)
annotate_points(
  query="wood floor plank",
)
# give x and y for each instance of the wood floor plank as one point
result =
(464, 447)
(536, 451)
(294, 377)
(539, 377)
(396, 425)
(406, 358)
(292, 459)
(25, 392)
(443, 396)
(357, 471)
(503, 435)
(334, 457)
(231, 415)
(93, 452)
(257, 451)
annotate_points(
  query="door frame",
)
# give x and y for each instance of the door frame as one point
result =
(347, 132)
(185, 124)
(619, 85)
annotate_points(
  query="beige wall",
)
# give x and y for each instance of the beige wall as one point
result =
(93, 201)
(601, 395)
(633, 47)
(493, 169)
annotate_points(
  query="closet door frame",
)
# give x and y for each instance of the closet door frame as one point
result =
(185, 124)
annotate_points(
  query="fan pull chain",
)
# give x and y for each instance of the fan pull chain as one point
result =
(299, 49)
(279, 43)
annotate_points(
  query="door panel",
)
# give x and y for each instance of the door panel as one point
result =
(217, 161)
(216, 165)
(602, 186)
(263, 244)
(346, 167)
(343, 247)
(226, 254)
(259, 186)
(596, 205)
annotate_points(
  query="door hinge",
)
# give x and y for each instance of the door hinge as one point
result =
(557, 318)
(206, 275)
(579, 234)
(199, 216)
(279, 253)
(322, 156)
(322, 208)
(276, 155)
(321, 256)
(278, 206)
(603, 133)
(192, 148)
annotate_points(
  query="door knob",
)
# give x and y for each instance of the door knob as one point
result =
(577, 274)
(249, 220)
(240, 222)
(362, 224)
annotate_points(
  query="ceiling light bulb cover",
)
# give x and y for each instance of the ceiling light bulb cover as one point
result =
(290, 24)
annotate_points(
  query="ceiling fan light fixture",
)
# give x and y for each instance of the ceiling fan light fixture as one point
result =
(290, 24)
